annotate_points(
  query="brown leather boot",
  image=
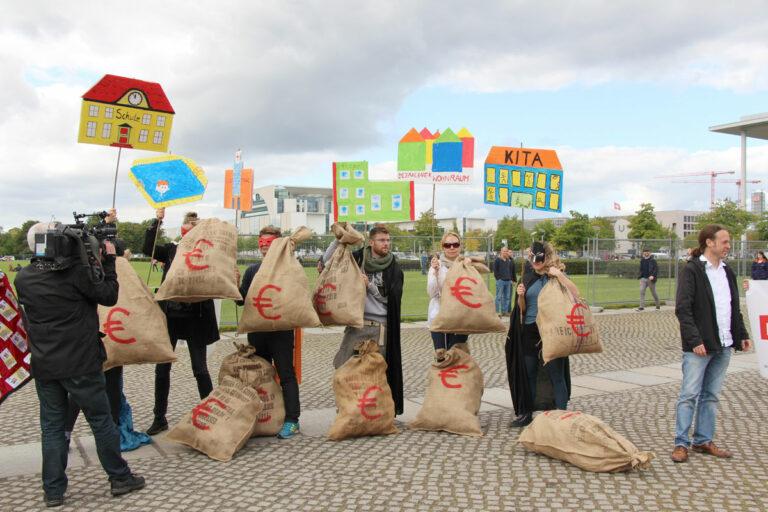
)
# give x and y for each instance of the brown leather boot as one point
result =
(680, 454)
(710, 449)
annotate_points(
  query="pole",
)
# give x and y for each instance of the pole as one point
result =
(152, 254)
(743, 184)
(434, 217)
(117, 168)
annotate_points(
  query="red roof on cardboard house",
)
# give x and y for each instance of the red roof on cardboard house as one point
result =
(111, 88)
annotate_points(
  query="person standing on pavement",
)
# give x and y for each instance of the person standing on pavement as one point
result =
(193, 322)
(59, 294)
(760, 267)
(276, 347)
(504, 273)
(384, 292)
(649, 272)
(439, 266)
(711, 327)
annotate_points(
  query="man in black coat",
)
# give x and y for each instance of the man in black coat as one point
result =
(649, 272)
(711, 327)
(193, 322)
(59, 296)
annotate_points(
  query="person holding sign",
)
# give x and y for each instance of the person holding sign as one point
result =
(438, 270)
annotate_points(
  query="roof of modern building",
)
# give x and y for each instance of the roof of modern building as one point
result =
(754, 126)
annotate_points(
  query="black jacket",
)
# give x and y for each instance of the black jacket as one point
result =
(649, 268)
(504, 269)
(60, 312)
(393, 288)
(695, 309)
(185, 320)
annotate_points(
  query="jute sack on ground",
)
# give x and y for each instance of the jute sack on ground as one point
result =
(135, 329)
(466, 305)
(222, 422)
(363, 397)
(279, 298)
(204, 265)
(339, 296)
(454, 390)
(584, 441)
(258, 373)
(566, 327)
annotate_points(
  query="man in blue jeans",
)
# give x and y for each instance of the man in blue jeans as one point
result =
(711, 327)
(504, 273)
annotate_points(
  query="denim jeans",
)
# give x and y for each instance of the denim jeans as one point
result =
(503, 291)
(88, 391)
(556, 371)
(447, 339)
(703, 377)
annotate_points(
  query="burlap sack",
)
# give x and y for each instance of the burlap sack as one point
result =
(135, 329)
(363, 397)
(454, 390)
(339, 297)
(584, 441)
(221, 423)
(204, 265)
(256, 372)
(466, 305)
(278, 298)
(566, 327)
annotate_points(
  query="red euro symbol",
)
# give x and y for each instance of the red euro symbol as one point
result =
(264, 417)
(569, 415)
(460, 291)
(764, 327)
(366, 402)
(203, 409)
(261, 303)
(576, 320)
(196, 253)
(452, 373)
(111, 326)
(320, 299)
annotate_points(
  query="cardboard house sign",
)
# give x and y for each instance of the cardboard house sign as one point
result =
(524, 178)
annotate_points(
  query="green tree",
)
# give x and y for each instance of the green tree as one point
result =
(728, 214)
(573, 235)
(511, 229)
(426, 225)
(604, 231)
(644, 225)
(544, 230)
(761, 227)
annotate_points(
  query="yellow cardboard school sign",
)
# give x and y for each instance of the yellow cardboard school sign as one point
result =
(126, 113)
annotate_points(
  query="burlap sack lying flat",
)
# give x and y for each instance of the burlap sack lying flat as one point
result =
(204, 265)
(279, 298)
(466, 305)
(222, 422)
(363, 397)
(135, 328)
(454, 390)
(584, 441)
(339, 296)
(258, 373)
(566, 327)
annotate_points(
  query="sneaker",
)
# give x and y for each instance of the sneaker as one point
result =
(53, 501)
(289, 429)
(639, 309)
(658, 308)
(157, 426)
(522, 420)
(125, 485)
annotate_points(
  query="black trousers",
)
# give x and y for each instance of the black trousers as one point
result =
(199, 357)
(114, 380)
(277, 348)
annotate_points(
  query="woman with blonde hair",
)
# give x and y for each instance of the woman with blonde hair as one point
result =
(438, 270)
(523, 346)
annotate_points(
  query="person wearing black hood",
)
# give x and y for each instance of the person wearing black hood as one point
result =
(523, 345)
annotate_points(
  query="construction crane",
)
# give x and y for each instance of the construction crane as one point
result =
(737, 182)
(712, 178)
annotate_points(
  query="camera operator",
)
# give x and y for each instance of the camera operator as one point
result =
(59, 292)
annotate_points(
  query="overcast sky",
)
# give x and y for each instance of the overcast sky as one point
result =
(624, 91)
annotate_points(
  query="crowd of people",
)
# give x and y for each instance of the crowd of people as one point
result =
(60, 300)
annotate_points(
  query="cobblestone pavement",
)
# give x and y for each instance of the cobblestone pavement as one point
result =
(436, 471)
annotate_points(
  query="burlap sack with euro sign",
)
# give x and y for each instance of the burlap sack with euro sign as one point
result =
(454, 390)
(135, 329)
(256, 372)
(466, 305)
(339, 296)
(222, 422)
(363, 397)
(566, 327)
(204, 265)
(584, 441)
(279, 298)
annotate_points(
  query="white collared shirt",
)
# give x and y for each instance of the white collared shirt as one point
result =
(718, 280)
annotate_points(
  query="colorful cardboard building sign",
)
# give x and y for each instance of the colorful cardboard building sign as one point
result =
(168, 180)
(427, 157)
(525, 178)
(358, 199)
(126, 113)
(238, 186)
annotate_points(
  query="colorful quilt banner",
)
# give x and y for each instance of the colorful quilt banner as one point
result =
(14, 346)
